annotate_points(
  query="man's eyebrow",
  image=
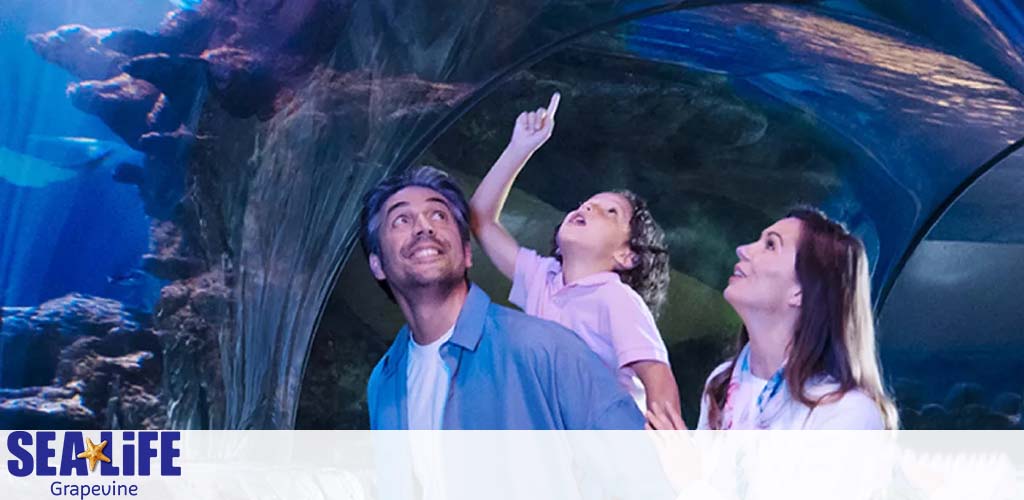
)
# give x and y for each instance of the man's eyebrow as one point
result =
(438, 200)
(396, 205)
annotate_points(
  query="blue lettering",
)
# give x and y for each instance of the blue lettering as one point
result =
(73, 445)
(168, 452)
(109, 469)
(59, 489)
(146, 451)
(44, 453)
(23, 465)
(129, 454)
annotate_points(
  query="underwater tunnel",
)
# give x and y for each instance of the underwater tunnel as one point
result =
(181, 182)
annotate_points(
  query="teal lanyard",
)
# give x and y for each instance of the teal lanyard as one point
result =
(770, 390)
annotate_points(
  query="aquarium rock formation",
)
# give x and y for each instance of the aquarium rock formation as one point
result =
(79, 362)
(257, 145)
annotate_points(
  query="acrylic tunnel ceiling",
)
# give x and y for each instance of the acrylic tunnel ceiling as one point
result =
(909, 111)
(261, 122)
(725, 116)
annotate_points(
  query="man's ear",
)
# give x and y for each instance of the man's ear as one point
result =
(376, 268)
(467, 249)
(796, 298)
(625, 259)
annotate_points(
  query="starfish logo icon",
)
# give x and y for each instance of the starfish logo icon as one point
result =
(94, 453)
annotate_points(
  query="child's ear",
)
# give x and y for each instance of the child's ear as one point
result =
(625, 259)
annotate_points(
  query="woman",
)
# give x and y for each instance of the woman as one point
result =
(806, 355)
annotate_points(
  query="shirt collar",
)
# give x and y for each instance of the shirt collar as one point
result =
(469, 329)
(433, 346)
(596, 279)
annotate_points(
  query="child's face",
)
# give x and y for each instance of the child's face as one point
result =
(600, 227)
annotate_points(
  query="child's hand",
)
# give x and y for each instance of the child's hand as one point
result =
(533, 128)
(662, 417)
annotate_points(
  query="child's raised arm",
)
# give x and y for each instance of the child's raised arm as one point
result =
(532, 129)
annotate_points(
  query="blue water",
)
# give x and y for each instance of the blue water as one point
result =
(64, 230)
(187, 4)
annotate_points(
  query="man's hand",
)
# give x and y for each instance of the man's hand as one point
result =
(533, 128)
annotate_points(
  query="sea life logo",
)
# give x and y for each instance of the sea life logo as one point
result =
(71, 454)
(94, 453)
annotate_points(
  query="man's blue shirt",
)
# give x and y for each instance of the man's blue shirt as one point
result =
(508, 371)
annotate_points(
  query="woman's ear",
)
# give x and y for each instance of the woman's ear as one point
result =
(796, 298)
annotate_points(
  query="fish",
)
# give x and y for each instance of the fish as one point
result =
(25, 170)
(71, 150)
(91, 163)
(132, 277)
(46, 160)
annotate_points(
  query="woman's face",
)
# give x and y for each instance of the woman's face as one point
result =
(764, 279)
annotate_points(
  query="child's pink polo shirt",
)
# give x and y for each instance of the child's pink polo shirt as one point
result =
(603, 311)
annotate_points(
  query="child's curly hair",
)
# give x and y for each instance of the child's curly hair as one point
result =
(650, 275)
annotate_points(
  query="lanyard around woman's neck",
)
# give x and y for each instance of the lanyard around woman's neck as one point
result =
(770, 395)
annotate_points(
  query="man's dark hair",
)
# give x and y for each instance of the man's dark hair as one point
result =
(423, 176)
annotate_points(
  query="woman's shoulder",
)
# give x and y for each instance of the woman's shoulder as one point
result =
(717, 371)
(855, 409)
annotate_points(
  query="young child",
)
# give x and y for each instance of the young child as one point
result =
(609, 272)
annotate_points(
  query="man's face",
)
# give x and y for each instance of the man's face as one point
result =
(420, 244)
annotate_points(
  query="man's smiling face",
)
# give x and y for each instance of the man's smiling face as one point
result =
(420, 243)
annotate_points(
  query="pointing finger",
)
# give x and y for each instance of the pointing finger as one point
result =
(553, 105)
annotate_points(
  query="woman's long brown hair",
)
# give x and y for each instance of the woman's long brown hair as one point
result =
(835, 333)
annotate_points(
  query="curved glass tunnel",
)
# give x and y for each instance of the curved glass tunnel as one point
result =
(952, 322)
(720, 148)
(216, 194)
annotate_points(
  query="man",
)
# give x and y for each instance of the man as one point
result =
(462, 362)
